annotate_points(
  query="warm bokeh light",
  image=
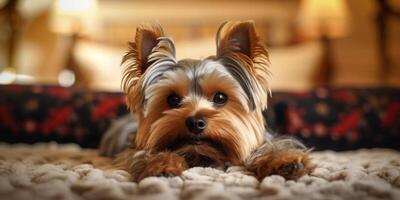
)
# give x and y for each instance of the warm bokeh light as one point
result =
(66, 78)
(7, 76)
(72, 16)
(324, 17)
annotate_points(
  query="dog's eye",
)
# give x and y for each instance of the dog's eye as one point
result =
(220, 98)
(174, 101)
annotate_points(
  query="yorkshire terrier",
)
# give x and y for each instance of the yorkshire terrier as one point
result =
(204, 112)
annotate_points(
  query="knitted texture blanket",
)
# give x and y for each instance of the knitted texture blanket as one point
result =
(49, 171)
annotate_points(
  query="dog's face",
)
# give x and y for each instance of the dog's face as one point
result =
(209, 110)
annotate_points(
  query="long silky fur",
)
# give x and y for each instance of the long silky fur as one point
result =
(274, 145)
(235, 132)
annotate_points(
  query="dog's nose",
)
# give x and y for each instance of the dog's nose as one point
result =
(196, 125)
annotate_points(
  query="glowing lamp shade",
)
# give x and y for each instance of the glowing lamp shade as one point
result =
(74, 16)
(328, 18)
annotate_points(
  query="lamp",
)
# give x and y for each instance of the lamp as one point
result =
(73, 19)
(326, 20)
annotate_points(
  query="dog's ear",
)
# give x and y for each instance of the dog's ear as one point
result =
(149, 39)
(240, 50)
(151, 53)
(146, 39)
(239, 37)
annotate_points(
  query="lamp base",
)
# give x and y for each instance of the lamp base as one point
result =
(324, 74)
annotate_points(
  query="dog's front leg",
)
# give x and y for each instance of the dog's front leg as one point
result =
(286, 157)
(141, 164)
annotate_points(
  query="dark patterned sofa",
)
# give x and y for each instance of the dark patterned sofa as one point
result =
(339, 119)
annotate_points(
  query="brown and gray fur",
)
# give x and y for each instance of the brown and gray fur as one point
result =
(235, 131)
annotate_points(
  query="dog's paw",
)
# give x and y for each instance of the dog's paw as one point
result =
(164, 164)
(290, 164)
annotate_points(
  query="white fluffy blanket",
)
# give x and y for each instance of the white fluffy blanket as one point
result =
(31, 172)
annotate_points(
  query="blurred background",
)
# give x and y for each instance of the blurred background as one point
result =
(80, 43)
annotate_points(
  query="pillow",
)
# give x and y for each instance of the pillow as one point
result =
(293, 67)
(100, 64)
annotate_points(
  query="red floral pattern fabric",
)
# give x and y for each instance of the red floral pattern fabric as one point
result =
(339, 119)
(45, 113)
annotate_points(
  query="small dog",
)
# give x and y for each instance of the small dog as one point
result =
(202, 112)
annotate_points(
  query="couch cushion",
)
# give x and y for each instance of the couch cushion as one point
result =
(338, 119)
(44, 113)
